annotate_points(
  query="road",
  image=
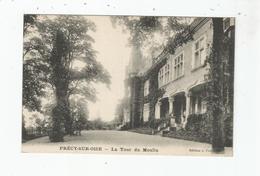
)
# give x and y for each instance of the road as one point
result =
(122, 139)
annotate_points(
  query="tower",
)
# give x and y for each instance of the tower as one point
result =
(135, 84)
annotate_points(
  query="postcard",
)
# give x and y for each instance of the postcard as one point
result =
(148, 85)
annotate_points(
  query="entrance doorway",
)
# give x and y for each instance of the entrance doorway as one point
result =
(179, 107)
(164, 112)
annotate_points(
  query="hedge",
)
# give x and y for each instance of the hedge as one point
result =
(199, 128)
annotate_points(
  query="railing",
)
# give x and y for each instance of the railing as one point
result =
(33, 133)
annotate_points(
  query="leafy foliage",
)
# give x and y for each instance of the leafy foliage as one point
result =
(79, 111)
(33, 87)
(220, 87)
(55, 45)
(140, 28)
(144, 31)
(29, 21)
(154, 95)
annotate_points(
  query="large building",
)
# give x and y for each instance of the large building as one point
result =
(171, 86)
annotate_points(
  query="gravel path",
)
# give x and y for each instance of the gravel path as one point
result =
(122, 139)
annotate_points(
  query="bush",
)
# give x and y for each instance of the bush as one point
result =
(56, 136)
(157, 122)
(187, 135)
(154, 123)
(199, 128)
(199, 125)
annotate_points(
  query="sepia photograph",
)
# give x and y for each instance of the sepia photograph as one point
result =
(141, 85)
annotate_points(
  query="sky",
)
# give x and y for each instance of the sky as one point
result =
(114, 54)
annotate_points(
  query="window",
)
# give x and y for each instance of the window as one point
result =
(146, 112)
(198, 105)
(146, 88)
(161, 77)
(167, 73)
(195, 105)
(199, 52)
(203, 106)
(178, 66)
(164, 75)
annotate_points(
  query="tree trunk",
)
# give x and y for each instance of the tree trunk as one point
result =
(218, 141)
(63, 104)
(62, 122)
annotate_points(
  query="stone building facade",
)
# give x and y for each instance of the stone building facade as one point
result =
(181, 76)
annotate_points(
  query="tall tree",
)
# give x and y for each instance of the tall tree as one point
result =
(59, 44)
(217, 86)
(61, 111)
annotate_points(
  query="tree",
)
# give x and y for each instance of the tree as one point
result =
(41, 125)
(33, 87)
(97, 123)
(59, 43)
(29, 21)
(140, 28)
(79, 111)
(216, 86)
(144, 31)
